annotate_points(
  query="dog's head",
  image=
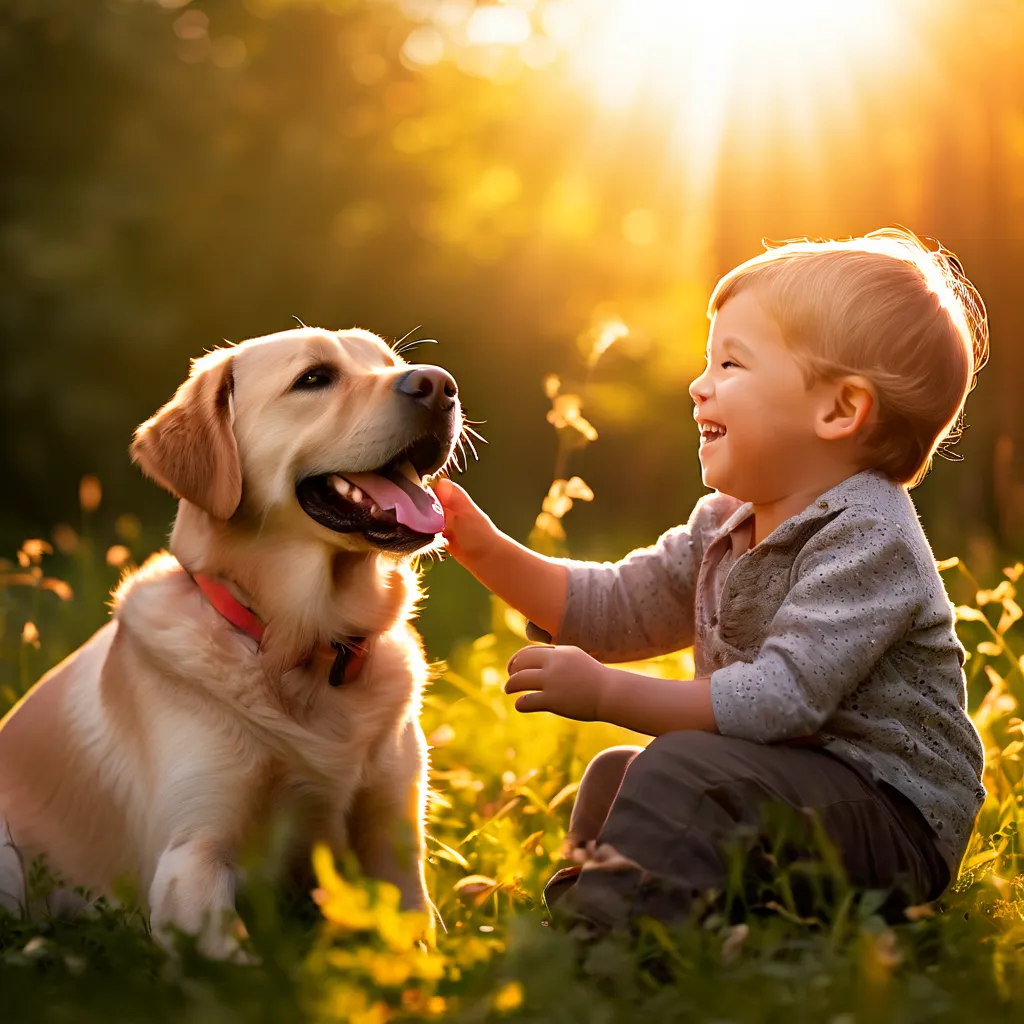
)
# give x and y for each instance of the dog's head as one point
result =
(311, 430)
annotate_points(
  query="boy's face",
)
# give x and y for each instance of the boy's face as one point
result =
(757, 416)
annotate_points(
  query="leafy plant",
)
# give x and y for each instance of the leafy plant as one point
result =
(502, 786)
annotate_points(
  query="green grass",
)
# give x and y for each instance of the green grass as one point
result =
(502, 786)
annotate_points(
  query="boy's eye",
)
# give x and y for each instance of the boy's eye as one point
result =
(314, 379)
(728, 363)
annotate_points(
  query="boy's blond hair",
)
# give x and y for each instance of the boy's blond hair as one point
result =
(886, 308)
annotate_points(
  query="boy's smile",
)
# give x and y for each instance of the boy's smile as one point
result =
(751, 403)
(710, 432)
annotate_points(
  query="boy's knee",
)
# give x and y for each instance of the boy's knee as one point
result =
(597, 791)
(610, 764)
(671, 772)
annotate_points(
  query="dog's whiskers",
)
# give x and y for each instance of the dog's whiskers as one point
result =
(445, 470)
(395, 344)
(412, 344)
(466, 437)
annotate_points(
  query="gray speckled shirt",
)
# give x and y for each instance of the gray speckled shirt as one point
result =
(836, 625)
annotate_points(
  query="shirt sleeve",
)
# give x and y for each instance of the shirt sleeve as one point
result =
(642, 605)
(853, 597)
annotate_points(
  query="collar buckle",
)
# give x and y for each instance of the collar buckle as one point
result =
(349, 660)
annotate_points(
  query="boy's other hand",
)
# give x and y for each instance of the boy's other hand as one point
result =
(563, 680)
(467, 529)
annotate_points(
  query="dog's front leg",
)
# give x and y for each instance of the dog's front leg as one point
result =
(385, 824)
(193, 891)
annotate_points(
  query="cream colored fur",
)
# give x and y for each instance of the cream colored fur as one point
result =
(156, 750)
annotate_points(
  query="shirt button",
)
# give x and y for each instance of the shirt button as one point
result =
(823, 505)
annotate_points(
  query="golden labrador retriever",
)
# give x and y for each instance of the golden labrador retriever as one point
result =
(267, 661)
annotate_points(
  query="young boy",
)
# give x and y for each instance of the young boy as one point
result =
(829, 677)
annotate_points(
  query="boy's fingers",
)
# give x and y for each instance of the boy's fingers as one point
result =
(534, 656)
(530, 679)
(443, 487)
(531, 702)
(450, 494)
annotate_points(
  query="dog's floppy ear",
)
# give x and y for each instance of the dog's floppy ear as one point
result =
(188, 447)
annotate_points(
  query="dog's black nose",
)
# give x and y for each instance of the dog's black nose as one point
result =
(430, 385)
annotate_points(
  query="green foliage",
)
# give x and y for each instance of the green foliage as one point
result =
(183, 173)
(502, 785)
(177, 181)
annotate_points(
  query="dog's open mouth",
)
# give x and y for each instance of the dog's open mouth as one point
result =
(391, 506)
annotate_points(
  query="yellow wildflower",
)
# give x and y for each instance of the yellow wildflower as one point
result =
(508, 997)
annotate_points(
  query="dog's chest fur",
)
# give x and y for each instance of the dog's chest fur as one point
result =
(263, 744)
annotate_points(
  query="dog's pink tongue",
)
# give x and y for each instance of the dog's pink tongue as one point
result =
(415, 507)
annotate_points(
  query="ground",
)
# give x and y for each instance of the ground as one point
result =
(502, 789)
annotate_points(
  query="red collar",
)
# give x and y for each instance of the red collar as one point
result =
(230, 607)
(350, 653)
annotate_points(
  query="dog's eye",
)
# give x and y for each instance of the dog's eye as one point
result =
(314, 379)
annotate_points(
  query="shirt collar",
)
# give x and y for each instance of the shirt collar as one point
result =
(865, 487)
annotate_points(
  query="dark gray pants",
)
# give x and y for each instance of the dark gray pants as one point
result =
(686, 806)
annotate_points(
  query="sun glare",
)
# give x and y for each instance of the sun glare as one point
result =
(770, 75)
(697, 52)
(792, 68)
(694, 59)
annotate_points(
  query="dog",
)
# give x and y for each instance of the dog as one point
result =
(266, 662)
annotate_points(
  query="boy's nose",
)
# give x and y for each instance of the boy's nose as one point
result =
(700, 388)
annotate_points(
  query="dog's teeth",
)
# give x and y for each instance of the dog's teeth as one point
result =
(375, 509)
(341, 485)
(409, 472)
(355, 495)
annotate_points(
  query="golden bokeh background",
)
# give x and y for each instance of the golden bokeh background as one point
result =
(522, 181)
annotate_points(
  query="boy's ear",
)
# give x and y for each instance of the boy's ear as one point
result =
(849, 403)
(189, 448)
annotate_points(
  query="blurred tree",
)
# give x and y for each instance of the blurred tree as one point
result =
(178, 173)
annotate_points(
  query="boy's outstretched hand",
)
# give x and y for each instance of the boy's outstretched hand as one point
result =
(526, 580)
(563, 680)
(468, 532)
